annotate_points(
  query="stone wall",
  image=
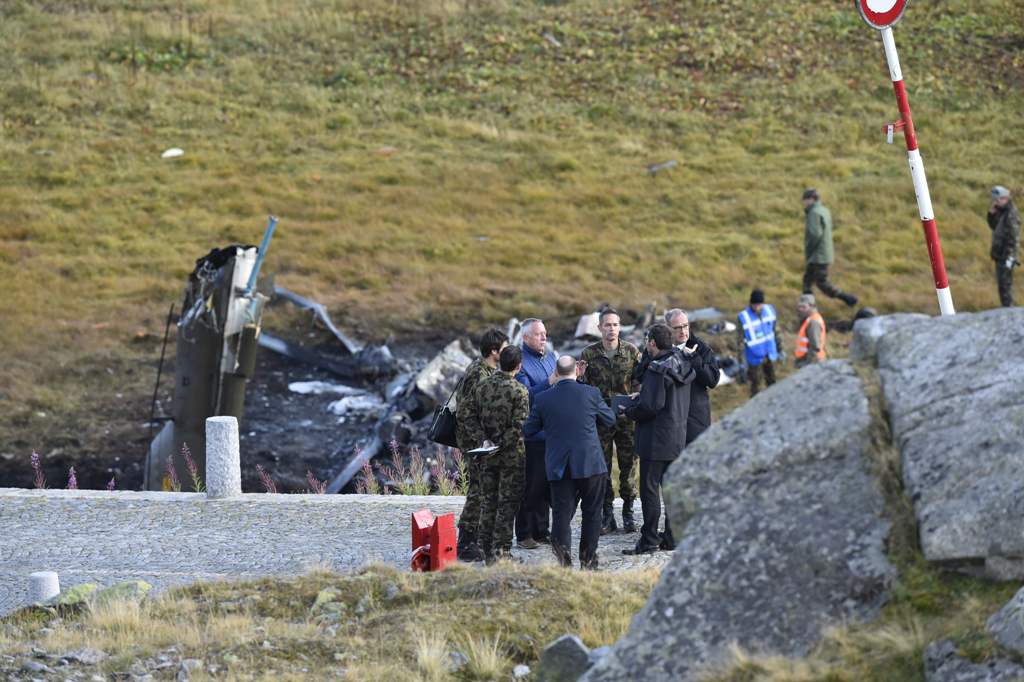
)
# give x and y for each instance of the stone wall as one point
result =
(171, 539)
(174, 538)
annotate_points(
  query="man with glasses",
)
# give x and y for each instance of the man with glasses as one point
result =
(704, 363)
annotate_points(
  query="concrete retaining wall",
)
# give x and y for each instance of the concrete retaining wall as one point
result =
(174, 538)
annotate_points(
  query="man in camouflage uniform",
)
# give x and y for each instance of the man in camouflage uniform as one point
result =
(491, 344)
(496, 416)
(1004, 221)
(608, 366)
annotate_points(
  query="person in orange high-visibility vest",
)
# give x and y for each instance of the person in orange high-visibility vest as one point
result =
(810, 340)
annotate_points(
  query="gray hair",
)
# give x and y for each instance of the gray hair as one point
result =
(527, 323)
(674, 313)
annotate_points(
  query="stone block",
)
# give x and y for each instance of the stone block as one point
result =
(223, 463)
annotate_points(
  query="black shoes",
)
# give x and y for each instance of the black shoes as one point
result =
(468, 550)
(628, 524)
(608, 524)
(528, 543)
(639, 550)
(848, 299)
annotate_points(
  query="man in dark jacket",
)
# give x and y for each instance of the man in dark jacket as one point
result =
(573, 458)
(1004, 221)
(704, 363)
(661, 411)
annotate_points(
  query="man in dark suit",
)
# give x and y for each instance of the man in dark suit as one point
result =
(573, 458)
(661, 411)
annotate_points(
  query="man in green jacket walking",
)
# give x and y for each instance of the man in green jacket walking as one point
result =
(818, 251)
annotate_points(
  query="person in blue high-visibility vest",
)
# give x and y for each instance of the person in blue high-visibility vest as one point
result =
(759, 340)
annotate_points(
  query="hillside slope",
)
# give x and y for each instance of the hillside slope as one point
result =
(440, 164)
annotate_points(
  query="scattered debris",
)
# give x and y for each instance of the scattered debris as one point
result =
(551, 39)
(655, 168)
(368, 363)
(350, 346)
(172, 153)
(438, 379)
(322, 387)
(588, 327)
(365, 403)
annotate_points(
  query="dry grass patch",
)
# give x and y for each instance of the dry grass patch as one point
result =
(461, 624)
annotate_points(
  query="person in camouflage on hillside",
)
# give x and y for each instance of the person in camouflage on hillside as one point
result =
(491, 344)
(496, 416)
(1004, 221)
(608, 366)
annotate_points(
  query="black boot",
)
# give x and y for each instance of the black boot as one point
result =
(608, 522)
(628, 524)
(468, 550)
(848, 299)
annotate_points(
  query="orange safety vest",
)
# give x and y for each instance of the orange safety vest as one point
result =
(801, 339)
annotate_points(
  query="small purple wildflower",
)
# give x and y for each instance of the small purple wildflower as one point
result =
(315, 485)
(72, 479)
(193, 470)
(172, 475)
(265, 478)
(111, 485)
(37, 469)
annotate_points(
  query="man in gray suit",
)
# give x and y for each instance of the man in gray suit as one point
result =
(568, 413)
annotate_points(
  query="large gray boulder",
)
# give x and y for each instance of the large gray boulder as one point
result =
(942, 664)
(868, 331)
(1006, 626)
(953, 387)
(784, 534)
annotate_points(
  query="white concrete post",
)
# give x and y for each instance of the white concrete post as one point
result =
(43, 586)
(223, 465)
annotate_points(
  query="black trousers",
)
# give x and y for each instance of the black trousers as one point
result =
(565, 495)
(651, 474)
(817, 274)
(754, 375)
(534, 517)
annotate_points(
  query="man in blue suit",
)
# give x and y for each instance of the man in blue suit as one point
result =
(573, 458)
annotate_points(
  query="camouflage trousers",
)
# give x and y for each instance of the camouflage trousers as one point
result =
(501, 489)
(1004, 280)
(621, 437)
(469, 520)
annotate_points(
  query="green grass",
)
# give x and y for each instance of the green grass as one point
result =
(516, 184)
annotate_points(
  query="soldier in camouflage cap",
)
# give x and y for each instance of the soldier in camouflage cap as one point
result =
(496, 416)
(491, 344)
(608, 366)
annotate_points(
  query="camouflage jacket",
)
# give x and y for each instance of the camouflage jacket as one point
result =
(1005, 226)
(496, 412)
(477, 371)
(611, 377)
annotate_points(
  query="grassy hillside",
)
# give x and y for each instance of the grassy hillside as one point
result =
(442, 164)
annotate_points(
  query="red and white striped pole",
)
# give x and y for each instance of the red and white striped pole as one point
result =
(882, 14)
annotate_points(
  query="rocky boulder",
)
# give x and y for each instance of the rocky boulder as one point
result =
(783, 530)
(953, 388)
(942, 664)
(1007, 626)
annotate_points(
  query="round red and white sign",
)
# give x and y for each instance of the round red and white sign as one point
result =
(881, 13)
